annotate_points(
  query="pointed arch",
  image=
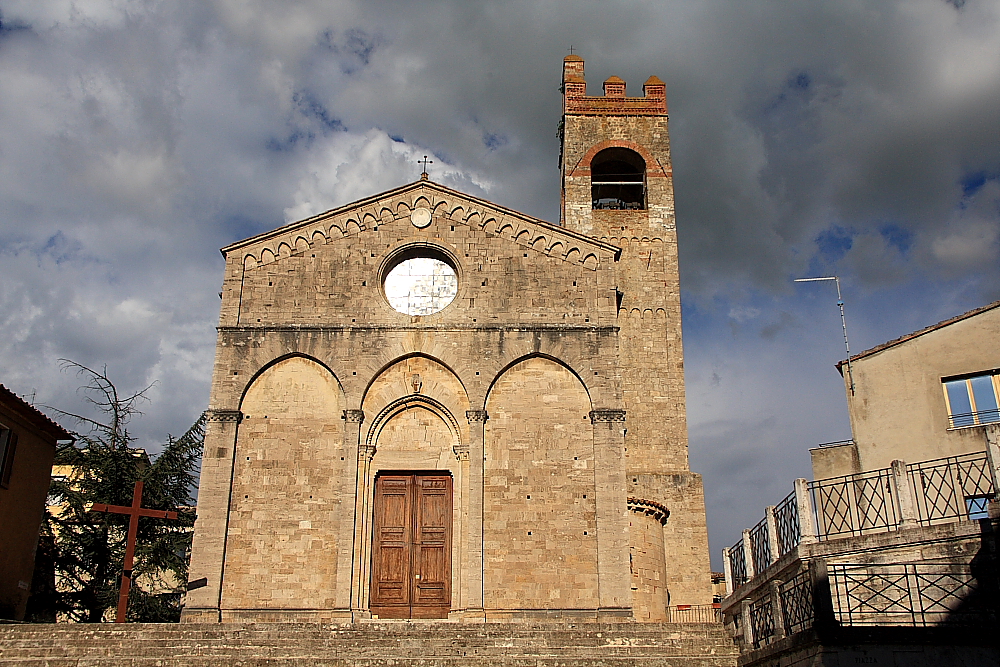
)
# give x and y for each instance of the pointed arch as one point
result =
(536, 355)
(277, 360)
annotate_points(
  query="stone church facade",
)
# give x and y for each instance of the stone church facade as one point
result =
(426, 405)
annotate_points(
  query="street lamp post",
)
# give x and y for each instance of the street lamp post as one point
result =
(843, 321)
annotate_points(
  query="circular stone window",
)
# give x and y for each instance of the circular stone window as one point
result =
(420, 282)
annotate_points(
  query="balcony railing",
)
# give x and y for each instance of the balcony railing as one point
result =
(910, 594)
(951, 488)
(852, 595)
(694, 613)
(964, 419)
(955, 488)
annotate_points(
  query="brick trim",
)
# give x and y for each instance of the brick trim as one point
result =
(649, 508)
(653, 167)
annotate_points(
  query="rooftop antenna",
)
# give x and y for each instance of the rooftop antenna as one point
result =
(425, 162)
(843, 321)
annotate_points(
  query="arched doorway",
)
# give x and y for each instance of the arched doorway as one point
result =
(414, 486)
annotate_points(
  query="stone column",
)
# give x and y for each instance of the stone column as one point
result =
(208, 550)
(360, 539)
(824, 616)
(748, 564)
(777, 613)
(904, 495)
(727, 567)
(473, 576)
(803, 506)
(614, 576)
(993, 457)
(747, 625)
(346, 544)
(772, 533)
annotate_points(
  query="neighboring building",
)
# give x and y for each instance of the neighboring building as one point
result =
(890, 553)
(419, 401)
(27, 447)
(922, 396)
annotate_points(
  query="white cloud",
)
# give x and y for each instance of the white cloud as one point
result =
(139, 136)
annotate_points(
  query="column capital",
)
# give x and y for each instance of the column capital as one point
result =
(224, 416)
(475, 416)
(461, 451)
(366, 452)
(356, 416)
(607, 415)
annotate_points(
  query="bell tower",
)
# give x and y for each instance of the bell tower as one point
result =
(617, 185)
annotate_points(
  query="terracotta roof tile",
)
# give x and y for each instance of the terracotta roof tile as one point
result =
(33, 414)
(921, 332)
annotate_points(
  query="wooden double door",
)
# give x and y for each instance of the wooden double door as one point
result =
(411, 550)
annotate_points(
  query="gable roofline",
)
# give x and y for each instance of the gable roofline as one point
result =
(32, 415)
(415, 185)
(902, 339)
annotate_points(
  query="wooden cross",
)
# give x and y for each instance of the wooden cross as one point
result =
(425, 162)
(134, 512)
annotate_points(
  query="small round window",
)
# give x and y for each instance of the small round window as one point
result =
(420, 284)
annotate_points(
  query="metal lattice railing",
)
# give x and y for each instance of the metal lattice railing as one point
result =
(786, 518)
(738, 564)
(956, 487)
(796, 597)
(973, 418)
(854, 504)
(762, 621)
(694, 613)
(911, 594)
(759, 547)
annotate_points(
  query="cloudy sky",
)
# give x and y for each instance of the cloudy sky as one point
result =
(848, 137)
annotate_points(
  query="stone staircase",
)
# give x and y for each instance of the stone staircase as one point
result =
(368, 644)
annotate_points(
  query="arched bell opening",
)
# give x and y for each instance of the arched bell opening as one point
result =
(618, 180)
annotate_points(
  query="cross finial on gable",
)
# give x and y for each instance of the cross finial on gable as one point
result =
(571, 49)
(425, 162)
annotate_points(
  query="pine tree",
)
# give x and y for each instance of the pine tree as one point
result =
(80, 554)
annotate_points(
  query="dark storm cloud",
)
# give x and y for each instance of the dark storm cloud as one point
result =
(849, 137)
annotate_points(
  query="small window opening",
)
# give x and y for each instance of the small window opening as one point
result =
(973, 401)
(618, 180)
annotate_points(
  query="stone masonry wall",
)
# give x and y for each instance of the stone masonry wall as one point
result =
(527, 291)
(649, 314)
(540, 521)
(287, 492)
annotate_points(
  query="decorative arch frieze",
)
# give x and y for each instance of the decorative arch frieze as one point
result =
(331, 226)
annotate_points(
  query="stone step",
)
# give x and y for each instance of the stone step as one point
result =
(494, 661)
(368, 644)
